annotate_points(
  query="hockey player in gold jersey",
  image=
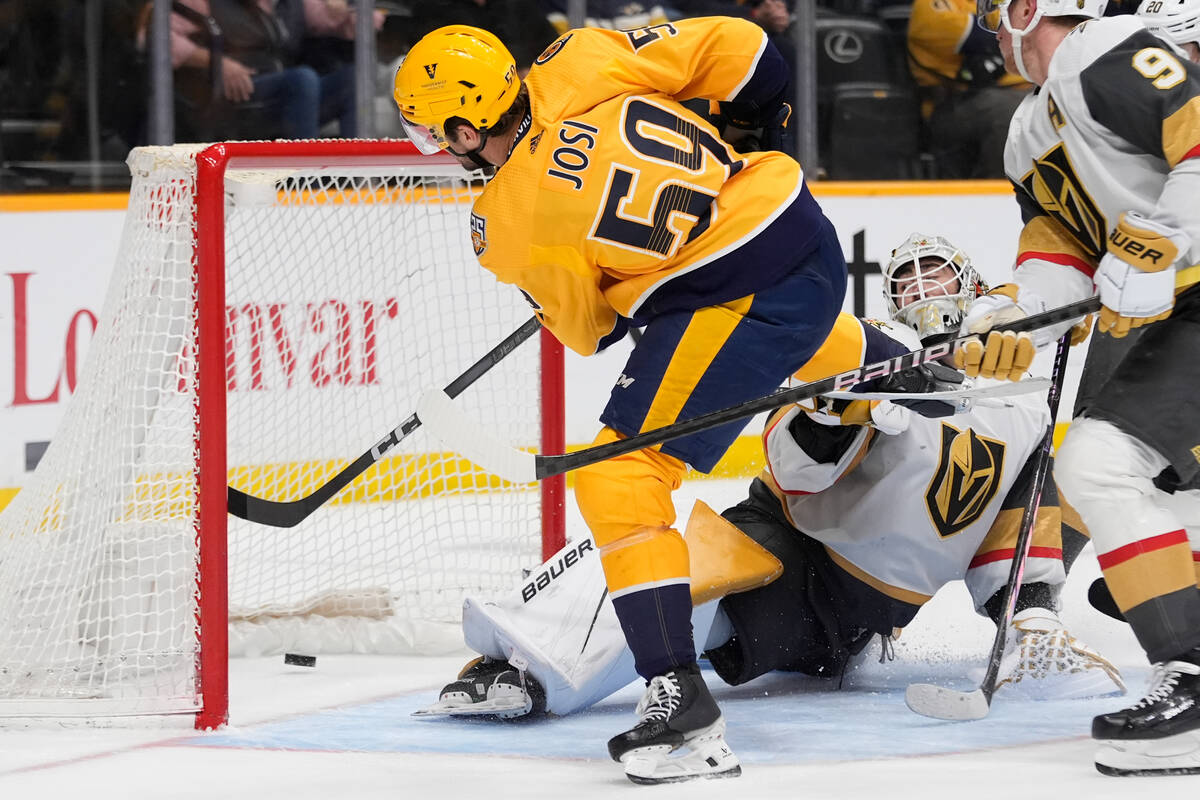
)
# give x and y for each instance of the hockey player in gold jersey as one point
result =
(1105, 159)
(612, 206)
(967, 95)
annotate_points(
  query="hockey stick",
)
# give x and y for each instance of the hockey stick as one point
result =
(288, 513)
(1007, 389)
(940, 702)
(459, 433)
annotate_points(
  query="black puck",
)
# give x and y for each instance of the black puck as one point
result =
(298, 660)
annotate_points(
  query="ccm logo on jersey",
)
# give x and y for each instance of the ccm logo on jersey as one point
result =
(554, 570)
(1126, 243)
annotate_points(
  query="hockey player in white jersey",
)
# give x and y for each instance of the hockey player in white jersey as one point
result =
(1177, 21)
(865, 510)
(1105, 159)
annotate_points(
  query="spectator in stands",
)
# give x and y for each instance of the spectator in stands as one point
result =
(45, 100)
(775, 17)
(678, 9)
(618, 14)
(262, 66)
(521, 24)
(967, 96)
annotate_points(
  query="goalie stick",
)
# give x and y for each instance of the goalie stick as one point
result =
(461, 434)
(940, 702)
(286, 514)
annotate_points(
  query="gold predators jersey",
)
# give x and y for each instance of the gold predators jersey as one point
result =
(616, 201)
(1115, 128)
(937, 33)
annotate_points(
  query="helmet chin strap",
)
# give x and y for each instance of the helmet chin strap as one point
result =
(475, 155)
(1017, 38)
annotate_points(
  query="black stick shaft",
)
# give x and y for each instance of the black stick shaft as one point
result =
(1025, 535)
(546, 466)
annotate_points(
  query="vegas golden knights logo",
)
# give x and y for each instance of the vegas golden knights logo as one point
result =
(1053, 184)
(966, 479)
(1056, 116)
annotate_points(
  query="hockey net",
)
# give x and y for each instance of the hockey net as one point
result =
(274, 310)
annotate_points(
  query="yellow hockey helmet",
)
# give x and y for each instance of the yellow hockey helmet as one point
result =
(455, 71)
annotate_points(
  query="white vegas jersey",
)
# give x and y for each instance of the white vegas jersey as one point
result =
(908, 513)
(1115, 128)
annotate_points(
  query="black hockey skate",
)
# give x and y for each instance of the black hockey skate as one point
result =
(680, 734)
(487, 686)
(1160, 734)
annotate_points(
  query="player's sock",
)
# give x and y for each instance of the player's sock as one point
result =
(680, 733)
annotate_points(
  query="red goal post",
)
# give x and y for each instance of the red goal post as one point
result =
(276, 308)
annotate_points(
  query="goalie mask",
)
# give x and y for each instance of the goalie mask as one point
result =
(928, 284)
(994, 14)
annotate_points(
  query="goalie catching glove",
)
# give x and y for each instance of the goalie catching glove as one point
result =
(763, 128)
(1043, 661)
(1136, 277)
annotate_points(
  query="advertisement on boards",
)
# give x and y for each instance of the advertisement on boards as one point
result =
(55, 266)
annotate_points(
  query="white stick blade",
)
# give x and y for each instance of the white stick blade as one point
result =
(942, 703)
(467, 437)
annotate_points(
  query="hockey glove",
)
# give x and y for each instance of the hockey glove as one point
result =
(1080, 330)
(761, 128)
(776, 133)
(1005, 355)
(1136, 277)
(883, 415)
(931, 377)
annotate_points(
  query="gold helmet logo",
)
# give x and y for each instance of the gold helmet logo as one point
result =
(967, 478)
(431, 70)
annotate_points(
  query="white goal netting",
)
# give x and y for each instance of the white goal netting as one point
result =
(348, 290)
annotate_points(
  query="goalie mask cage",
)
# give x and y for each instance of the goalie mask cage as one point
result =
(276, 307)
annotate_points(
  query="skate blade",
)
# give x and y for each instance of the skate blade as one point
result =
(704, 756)
(503, 707)
(1173, 755)
(732, 772)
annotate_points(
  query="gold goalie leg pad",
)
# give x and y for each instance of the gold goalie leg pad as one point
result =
(723, 559)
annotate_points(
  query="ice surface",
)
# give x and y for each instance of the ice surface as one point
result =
(343, 730)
